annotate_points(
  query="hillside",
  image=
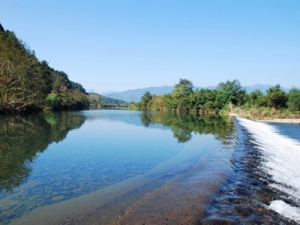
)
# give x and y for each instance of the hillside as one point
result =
(28, 84)
(98, 101)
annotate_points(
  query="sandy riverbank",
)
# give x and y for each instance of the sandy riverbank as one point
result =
(292, 121)
(275, 120)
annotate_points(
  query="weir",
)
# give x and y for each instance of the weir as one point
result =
(281, 161)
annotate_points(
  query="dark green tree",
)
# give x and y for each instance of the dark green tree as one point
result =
(204, 99)
(230, 91)
(1, 28)
(181, 94)
(146, 98)
(276, 97)
(257, 98)
(294, 99)
(183, 88)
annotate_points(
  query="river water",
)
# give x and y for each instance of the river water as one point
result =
(129, 167)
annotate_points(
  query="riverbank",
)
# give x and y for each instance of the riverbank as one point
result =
(292, 121)
(266, 116)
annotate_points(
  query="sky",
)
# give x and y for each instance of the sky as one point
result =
(117, 45)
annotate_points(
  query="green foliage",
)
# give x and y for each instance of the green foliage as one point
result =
(227, 96)
(146, 98)
(231, 91)
(52, 100)
(1, 28)
(134, 106)
(27, 84)
(100, 101)
(183, 88)
(257, 98)
(276, 97)
(181, 95)
(20, 83)
(77, 86)
(294, 100)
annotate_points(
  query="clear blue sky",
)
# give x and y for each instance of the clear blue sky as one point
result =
(128, 44)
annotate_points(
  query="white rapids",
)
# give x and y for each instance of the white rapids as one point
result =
(281, 161)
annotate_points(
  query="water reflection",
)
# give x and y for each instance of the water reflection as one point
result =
(112, 146)
(183, 125)
(21, 138)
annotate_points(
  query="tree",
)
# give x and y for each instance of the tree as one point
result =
(146, 98)
(181, 94)
(20, 84)
(77, 86)
(276, 97)
(257, 98)
(27, 84)
(230, 91)
(1, 28)
(294, 99)
(183, 88)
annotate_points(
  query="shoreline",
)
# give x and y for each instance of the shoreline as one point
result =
(290, 121)
(275, 120)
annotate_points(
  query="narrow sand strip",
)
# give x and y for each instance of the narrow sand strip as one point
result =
(291, 121)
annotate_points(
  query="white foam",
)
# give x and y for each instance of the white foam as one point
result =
(285, 209)
(281, 161)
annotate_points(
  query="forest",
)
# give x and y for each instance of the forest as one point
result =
(28, 85)
(227, 97)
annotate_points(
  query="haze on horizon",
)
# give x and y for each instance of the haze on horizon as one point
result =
(120, 45)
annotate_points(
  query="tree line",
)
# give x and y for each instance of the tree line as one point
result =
(27, 84)
(224, 97)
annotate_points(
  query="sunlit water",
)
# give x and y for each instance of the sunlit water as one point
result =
(105, 166)
(128, 167)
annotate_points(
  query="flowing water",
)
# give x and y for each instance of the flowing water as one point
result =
(129, 167)
(280, 149)
(264, 187)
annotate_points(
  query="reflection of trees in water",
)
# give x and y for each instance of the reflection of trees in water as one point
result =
(21, 138)
(183, 125)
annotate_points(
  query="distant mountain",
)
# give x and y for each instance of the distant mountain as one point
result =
(103, 101)
(136, 94)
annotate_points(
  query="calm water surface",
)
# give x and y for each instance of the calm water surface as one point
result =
(108, 166)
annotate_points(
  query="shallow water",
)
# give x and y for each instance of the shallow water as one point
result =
(112, 166)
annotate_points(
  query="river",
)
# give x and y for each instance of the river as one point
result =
(130, 167)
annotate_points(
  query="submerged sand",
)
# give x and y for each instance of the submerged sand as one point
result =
(157, 197)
